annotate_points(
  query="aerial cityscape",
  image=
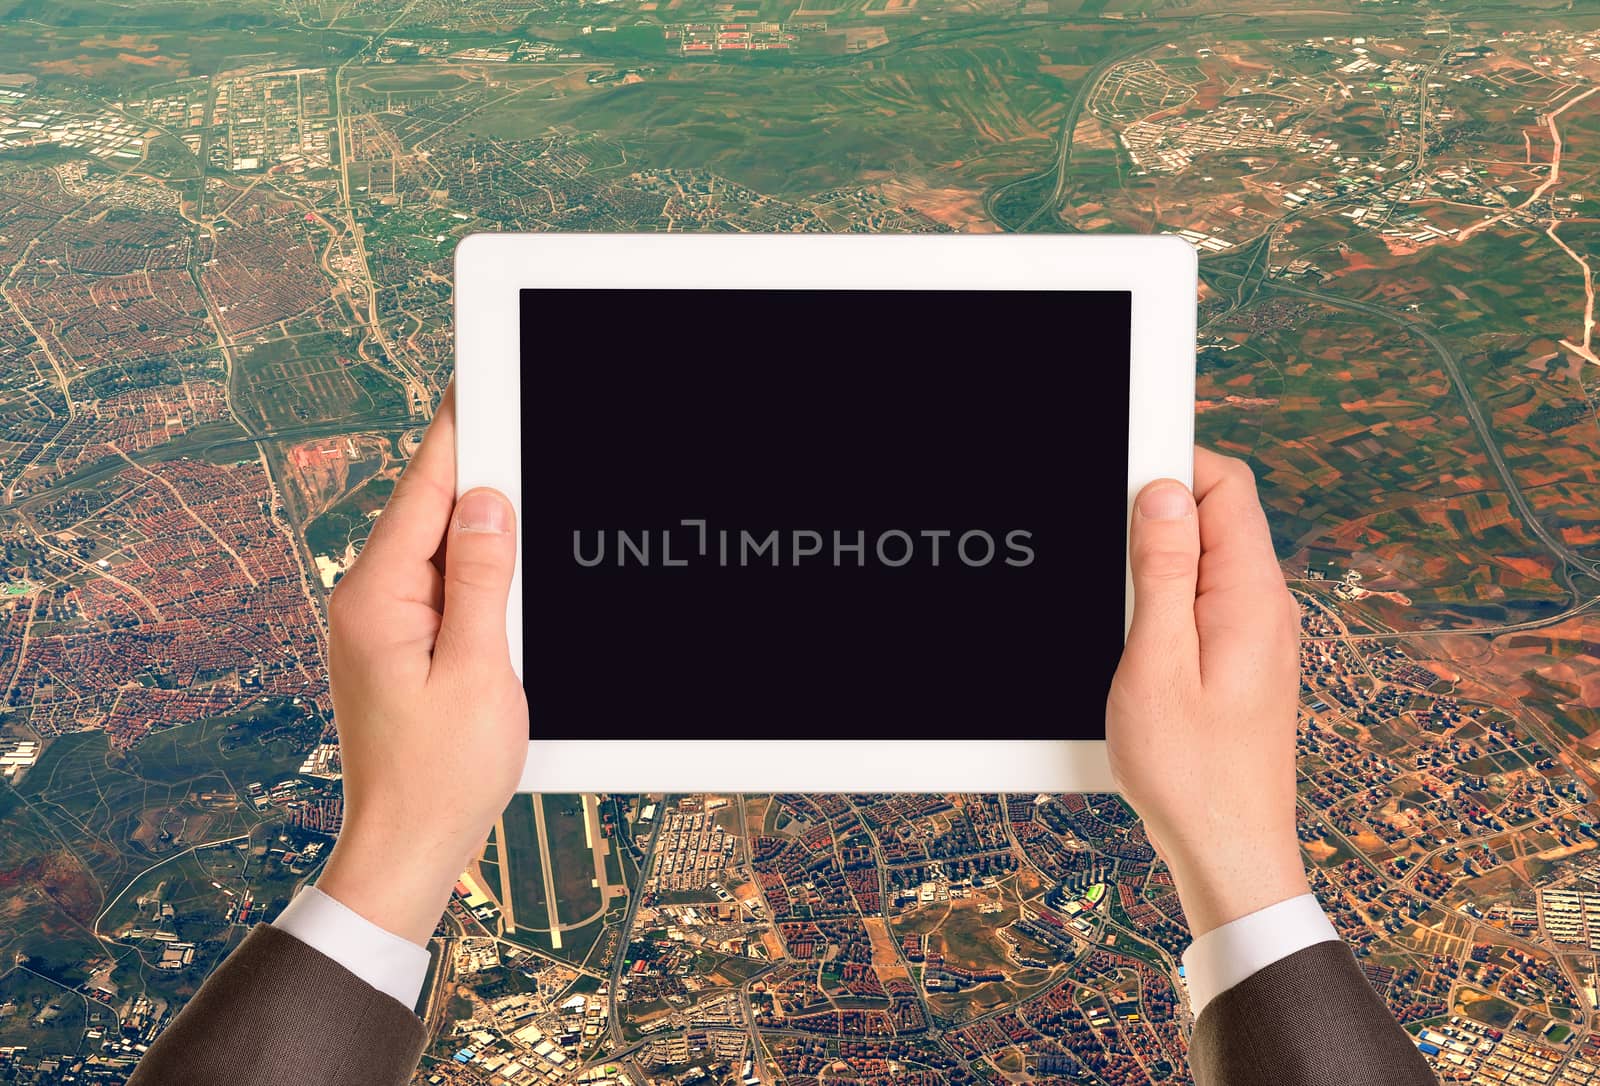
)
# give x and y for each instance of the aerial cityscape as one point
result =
(225, 317)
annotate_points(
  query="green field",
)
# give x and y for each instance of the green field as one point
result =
(349, 522)
(521, 847)
(571, 859)
(1492, 1012)
(99, 795)
(311, 378)
(39, 1013)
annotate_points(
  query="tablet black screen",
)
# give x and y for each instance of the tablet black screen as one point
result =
(822, 514)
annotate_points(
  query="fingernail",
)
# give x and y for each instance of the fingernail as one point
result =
(1166, 501)
(483, 511)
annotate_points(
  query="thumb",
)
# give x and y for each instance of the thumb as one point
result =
(1164, 554)
(1155, 843)
(479, 558)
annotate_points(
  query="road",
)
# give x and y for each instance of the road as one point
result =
(188, 510)
(420, 386)
(883, 909)
(62, 380)
(164, 860)
(547, 868)
(1476, 631)
(1569, 558)
(759, 1053)
(434, 1001)
(620, 959)
(1069, 124)
(1548, 183)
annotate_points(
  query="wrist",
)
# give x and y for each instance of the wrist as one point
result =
(1223, 889)
(389, 883)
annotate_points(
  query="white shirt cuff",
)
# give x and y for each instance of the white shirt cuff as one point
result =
(392, 965)
(1237, 950)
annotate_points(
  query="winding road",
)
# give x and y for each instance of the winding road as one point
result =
(1570, 559)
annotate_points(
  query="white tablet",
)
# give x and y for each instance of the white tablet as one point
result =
(821, 513)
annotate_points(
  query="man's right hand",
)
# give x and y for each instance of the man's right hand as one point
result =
(1200, 723)
(433, 724)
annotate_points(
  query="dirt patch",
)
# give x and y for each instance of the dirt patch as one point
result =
(885, 960)
(60, 877)
(1563, 852)
(959, 209)
(126, 43)
(1319, 851)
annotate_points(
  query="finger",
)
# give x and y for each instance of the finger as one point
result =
(479, 561)
(1243, 612)
(1164, 555)
(1234, 536)
(414, 521)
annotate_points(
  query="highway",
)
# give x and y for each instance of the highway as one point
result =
(759, 1048)
(1476, 631)
(620, 959)
(1091, 82)
(1570, 559)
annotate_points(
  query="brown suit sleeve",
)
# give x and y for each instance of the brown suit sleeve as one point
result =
(1310, 1019)
(277, 1013)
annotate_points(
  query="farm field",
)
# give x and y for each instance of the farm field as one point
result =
(227, 236)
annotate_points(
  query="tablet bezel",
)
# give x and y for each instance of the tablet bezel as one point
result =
(1159, 271)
